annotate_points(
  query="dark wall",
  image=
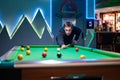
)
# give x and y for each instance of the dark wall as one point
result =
(80, 16)
(22, 24)
(36, 31)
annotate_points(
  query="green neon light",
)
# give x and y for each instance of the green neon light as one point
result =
(86, 35)
(0, 29)
(8, 31)
(39, 33)
(50, 32)
(91, 39)
(17, 26)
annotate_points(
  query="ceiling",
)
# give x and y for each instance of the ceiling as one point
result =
(107, 5)
(108, 9)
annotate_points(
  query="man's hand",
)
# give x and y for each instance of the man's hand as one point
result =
(74, 41)
(64, 46)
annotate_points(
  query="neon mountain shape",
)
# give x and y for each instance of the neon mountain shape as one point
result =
(26, 33)
(4, 41)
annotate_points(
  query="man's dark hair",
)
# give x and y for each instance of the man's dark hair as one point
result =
(69, 24)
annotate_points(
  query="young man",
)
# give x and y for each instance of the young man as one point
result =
(68, 35)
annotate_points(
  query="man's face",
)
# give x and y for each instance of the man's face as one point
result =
(68, 30)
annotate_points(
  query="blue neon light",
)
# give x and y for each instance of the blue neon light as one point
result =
(1, 24)
(90, 9)
(17, 22)
(51, 14)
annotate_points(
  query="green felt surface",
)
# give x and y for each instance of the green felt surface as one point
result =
(67, 54)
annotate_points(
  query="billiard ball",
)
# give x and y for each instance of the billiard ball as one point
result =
(28, 47)
(82, 56)
(28, 52)
(59, 55)
(45, 49)
(44, 54)
(22, 48)
(58, 49)
(20, 57)
(77, 49)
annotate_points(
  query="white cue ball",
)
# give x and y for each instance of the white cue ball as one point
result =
(58, 49)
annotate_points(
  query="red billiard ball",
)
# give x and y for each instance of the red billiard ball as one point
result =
(77, 49)
(44, 54)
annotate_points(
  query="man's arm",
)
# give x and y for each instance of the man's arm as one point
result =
(61, 41)
(64, 46)
(77, 34)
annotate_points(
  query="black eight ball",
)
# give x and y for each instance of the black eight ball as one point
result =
(59, 55)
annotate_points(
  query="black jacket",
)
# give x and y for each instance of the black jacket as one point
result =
(62, 38)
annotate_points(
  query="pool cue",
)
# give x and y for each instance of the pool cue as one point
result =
(66, 46)
(72, 42)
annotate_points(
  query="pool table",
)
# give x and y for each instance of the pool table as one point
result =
(36, 67)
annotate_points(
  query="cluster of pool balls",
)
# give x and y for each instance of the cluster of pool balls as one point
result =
(44, 54)
(28, 52)
(59, 55)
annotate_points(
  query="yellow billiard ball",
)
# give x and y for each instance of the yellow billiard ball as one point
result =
(28, 52)
(20, 57)
(82, 56)
(22, 48)
(45, 49)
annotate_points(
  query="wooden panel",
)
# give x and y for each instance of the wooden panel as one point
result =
(109, 72)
